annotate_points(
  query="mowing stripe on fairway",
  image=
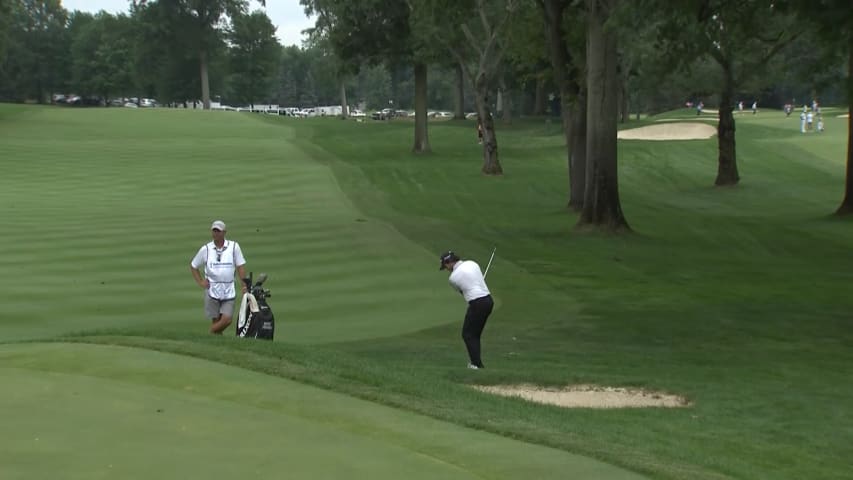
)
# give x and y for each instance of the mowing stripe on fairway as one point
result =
(103, 209)
(89, 412)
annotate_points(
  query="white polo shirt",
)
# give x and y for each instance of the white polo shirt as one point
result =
(467, 278)
(220, 264)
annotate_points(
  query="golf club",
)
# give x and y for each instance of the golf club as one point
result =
(490, 263)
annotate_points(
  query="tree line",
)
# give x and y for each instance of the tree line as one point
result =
(590, 62)
(605, 58)
(169, 50)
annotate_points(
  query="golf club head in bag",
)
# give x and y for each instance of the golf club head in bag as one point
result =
(256, 319)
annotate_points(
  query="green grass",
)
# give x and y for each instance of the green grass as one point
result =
(162, 409)
(737, 298)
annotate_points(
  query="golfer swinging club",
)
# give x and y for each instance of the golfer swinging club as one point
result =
(220, 258)
(467, 279)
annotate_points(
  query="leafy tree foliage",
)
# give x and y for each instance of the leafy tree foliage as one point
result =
(5, 10)
(253, 56)
(36, 62)
(102, 58)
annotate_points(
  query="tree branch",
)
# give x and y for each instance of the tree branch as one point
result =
(483, 19)
(470, 36)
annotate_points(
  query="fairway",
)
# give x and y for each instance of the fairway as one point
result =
(111, 412)
(105, 208)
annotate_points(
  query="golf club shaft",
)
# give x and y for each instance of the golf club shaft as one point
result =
(490, 262)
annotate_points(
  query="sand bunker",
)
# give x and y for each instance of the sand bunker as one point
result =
(670, 131)
(846, 115)
(697, 119)
(588, 396)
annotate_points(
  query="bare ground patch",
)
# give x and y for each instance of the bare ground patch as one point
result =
(845, 115)
(588, 396)
(670, 131)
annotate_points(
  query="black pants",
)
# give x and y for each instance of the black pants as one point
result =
(475, 321)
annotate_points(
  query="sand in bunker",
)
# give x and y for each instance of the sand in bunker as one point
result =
(670, 131)
(588, 396)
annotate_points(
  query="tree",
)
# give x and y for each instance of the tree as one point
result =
(254, 56)
(5, 13)
(741, 36)
(197, 23)
(601, 207)
(101, 51)
(36, 60)
(373, 31)
(288, 87)
(525, 59)
(567, 68)
(475, 40)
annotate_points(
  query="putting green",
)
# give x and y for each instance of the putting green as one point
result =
(88, 412)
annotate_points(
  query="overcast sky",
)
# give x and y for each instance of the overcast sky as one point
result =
(287, 15)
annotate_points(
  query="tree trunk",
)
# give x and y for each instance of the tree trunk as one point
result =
(459, 107)
(846, 207)
(344, 105)
(576, 137)
(624, 111)
(573, 111)
(205, 84)
(421, 131)
(727, 165)
(539, 97)
(506, 103)
(491, 165)
(601, 207)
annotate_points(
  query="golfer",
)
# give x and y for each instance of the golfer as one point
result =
(220, 259)
(467, 278)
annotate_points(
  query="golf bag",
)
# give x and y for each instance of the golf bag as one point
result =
(256, 320)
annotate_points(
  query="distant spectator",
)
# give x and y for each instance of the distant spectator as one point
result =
(699, 107)
(803, 122)
(755, 107)
(809, 120)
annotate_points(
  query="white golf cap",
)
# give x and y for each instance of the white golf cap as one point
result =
(218, 225)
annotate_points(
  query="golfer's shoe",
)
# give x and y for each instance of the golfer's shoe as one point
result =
(473, 367)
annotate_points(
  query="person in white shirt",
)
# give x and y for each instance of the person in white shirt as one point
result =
(220, 259)
(467, 278)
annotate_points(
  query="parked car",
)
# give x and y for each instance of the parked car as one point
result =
(355, 113)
